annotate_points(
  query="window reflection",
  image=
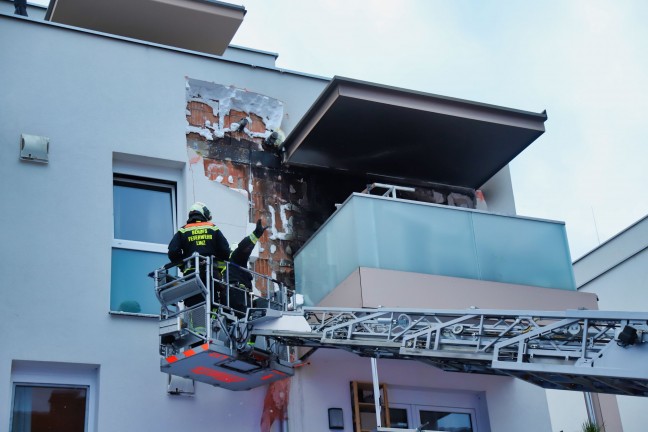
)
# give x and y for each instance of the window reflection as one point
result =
(143, 215)
(445, 421)
(398, 417)
(130, 287)
(143, 212)
(42, 409)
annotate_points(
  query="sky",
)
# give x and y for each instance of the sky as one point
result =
(583, 61)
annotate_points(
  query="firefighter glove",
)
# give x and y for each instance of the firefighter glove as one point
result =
(258, 231)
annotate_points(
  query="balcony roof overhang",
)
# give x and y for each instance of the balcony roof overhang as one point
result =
(199, 25)
(368, 129)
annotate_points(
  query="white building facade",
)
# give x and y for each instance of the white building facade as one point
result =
(124, 162)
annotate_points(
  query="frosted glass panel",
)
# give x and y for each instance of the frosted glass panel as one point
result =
(411, 237)
(522, 251)
(330, 256)
(131, 289)
(369, 231)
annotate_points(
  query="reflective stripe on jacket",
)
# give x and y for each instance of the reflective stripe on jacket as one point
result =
(203, 237)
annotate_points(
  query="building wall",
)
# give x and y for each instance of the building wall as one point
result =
(100, 100)
(498, 193)
(510, 405)
(109, 105)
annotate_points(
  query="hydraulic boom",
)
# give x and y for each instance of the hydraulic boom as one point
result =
(583, 350)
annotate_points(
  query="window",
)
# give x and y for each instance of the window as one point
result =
(52, 396)
(444, 420)
(430, 418)
(144, 223)
(40, 408)
(399, 417)
(438, 409)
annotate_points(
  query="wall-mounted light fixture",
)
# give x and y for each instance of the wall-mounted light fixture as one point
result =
(335, 418)
(34, 148)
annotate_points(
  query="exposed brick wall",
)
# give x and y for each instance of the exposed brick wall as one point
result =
(200, 114)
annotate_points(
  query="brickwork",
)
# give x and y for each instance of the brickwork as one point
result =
(200, 114)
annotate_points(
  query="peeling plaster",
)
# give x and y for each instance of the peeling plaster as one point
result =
(273, 225)
(224, 99)
(286, 221)
(200, 131)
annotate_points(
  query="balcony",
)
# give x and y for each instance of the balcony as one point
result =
(393, 234)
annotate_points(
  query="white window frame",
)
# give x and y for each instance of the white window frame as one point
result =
(146, 246)
(47, 374)
(435, 399)
(158, 172)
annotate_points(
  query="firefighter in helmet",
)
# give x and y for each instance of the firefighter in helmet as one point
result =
(198, 235)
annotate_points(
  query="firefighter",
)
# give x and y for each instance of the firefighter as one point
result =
(238, 276)
(198, 235)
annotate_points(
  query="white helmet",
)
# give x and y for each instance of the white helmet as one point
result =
(202, 209)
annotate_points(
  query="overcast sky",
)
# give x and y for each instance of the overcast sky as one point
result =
(584, 61)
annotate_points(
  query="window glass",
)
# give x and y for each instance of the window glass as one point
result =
(398, 418)
(143, 212)
(42, 408)
(131, 290)
(143, 226)
(445, 421)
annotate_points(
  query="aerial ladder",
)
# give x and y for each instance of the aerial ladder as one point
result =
(210, 342)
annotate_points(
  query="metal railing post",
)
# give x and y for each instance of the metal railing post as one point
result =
(376, 387)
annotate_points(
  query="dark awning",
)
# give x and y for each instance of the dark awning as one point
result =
(199, 25)
(370, 129)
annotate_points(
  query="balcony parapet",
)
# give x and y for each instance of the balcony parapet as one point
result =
(396, 234)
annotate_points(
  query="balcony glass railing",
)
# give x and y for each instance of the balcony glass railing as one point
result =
(393, 234)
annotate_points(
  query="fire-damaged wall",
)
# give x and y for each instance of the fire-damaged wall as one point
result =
(232, 129)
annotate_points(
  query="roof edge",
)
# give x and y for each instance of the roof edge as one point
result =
(337, 81)
(611, 239)
(366, 84)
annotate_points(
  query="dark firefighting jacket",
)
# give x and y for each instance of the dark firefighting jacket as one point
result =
(240, 257)
(198, 236)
